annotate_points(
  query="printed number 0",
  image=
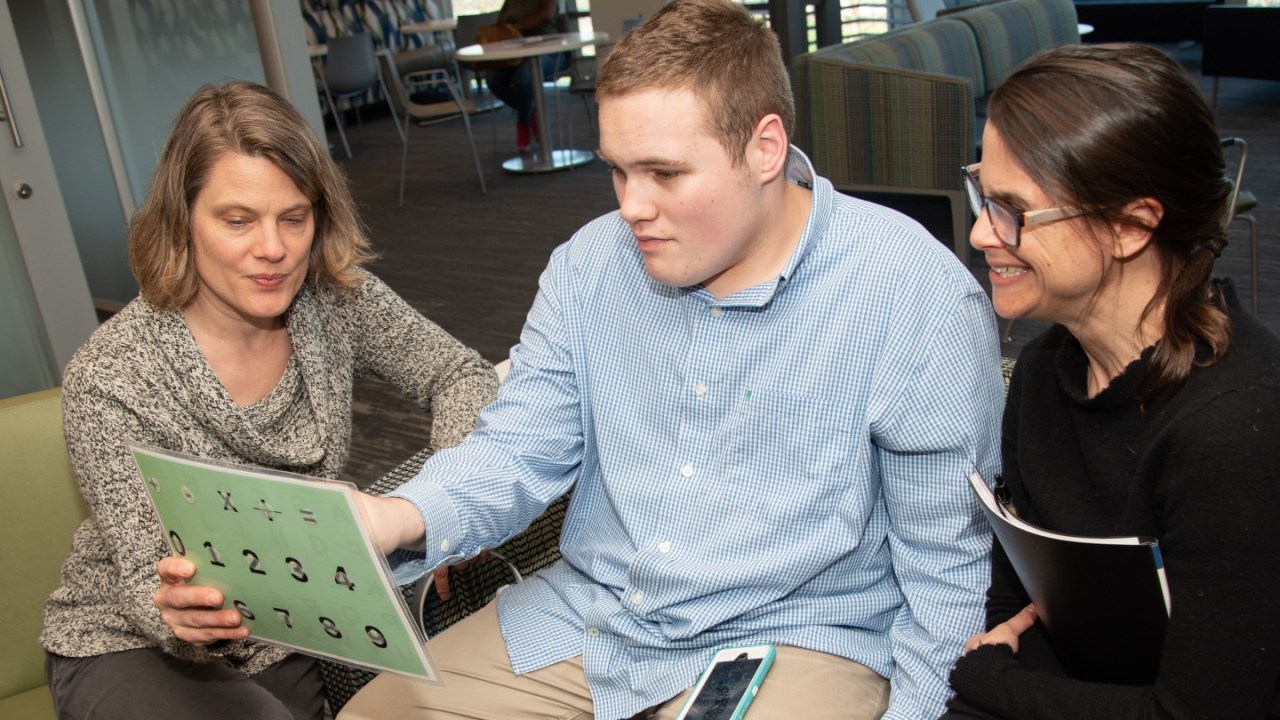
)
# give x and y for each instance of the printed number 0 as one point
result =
(178, 546)
(375, 636)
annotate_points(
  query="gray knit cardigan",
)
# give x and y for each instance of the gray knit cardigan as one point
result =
(141, 377)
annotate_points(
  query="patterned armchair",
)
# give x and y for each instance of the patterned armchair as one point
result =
(899, 112)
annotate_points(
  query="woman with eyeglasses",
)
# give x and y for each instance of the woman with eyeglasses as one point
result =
(1152, 404)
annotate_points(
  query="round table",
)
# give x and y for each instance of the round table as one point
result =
(548, 158)
(428, 26)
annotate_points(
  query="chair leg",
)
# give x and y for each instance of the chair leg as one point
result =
(395, 117)
(475, 154)
(337, 120)
(404, 157)
(568, 111)
(466, 123)
(586, 109)
(1253, 258)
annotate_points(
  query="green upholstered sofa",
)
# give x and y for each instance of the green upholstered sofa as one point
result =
(899, 112)
(41, 509)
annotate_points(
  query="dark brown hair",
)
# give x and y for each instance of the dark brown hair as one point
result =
(728, 59)
(240, 117)
(1101, 126)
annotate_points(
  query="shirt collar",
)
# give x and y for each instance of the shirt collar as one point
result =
(800, 171)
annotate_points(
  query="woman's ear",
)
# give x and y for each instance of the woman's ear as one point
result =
(1132, 237)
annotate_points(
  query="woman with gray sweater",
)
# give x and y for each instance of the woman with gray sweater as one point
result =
(253, 321)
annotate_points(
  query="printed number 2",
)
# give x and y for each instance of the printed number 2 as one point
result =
(254, 562)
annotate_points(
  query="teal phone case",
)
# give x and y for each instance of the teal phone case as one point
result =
(749, 694)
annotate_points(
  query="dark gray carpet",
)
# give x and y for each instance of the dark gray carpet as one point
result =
(471, 262)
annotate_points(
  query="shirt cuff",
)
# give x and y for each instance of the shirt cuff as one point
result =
(407, 566)
(443, 530)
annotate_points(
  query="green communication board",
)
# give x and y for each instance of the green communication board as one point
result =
(291, 553)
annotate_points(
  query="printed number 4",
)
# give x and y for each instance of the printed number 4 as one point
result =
(340, 577)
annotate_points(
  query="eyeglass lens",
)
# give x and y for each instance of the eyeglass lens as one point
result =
(1004, 224)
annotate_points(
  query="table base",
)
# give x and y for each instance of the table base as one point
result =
(560, 160)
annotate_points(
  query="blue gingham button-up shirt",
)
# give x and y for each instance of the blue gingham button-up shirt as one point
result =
(783, 465)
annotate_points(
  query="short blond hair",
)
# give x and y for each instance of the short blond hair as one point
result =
(246, 118)
(728, 59)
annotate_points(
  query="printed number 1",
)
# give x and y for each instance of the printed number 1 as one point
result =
(213, 555)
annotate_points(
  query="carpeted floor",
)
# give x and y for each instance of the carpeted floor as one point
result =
(471, 262)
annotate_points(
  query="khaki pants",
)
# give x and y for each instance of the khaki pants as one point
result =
(479, 684)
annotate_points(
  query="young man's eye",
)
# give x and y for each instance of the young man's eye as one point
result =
(666, 174)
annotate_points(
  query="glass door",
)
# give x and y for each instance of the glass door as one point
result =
(45, 310)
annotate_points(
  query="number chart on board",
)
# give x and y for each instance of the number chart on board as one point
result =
(291, 554)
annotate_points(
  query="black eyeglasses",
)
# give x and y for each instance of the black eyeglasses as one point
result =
(1006, 222)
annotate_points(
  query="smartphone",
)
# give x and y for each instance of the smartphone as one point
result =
(730, 683)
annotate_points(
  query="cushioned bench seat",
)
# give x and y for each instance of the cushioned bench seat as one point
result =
(898, 112)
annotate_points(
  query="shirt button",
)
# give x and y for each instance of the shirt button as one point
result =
(593, 632)
(699, 389)
(687, 471)
(664, 547)
(637, 597)
(716, 312)
(444, 545)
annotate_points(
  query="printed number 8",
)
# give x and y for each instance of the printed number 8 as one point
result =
(331, 628)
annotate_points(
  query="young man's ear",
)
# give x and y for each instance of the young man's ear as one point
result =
(1133, 237)
(769, 146)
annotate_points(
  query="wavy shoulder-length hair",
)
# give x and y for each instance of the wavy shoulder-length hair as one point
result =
(1101, 126)
(246, 118)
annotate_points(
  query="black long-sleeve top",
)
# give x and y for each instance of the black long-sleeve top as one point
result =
(1200, 471)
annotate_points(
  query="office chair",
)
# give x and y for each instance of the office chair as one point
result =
(1241, 202)
(351, 70)
(922, 10)
(433, 111)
